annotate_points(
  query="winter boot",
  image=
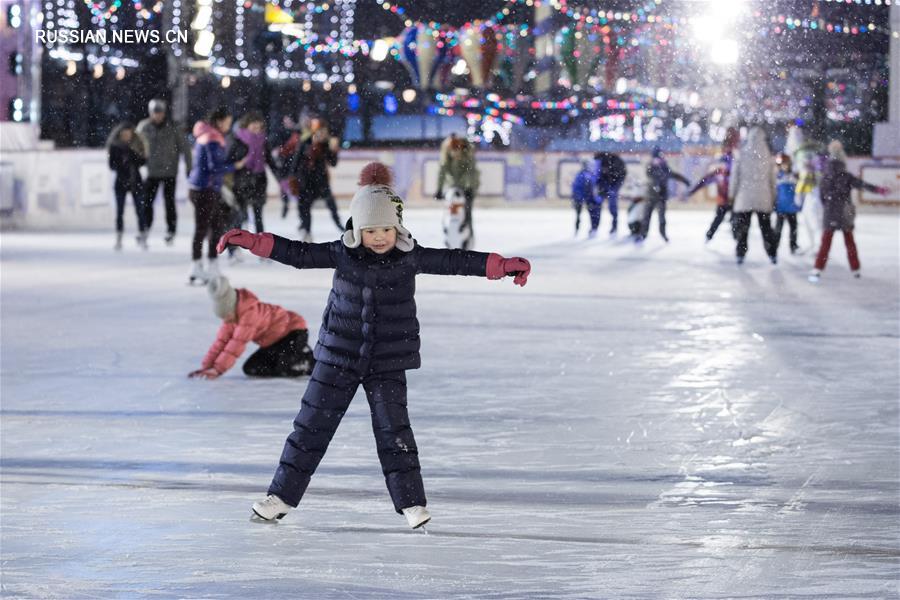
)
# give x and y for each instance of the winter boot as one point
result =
(814, 276)
(118, 245)
(271, 508)
(213, 268)
(416, 516)
(198, 276)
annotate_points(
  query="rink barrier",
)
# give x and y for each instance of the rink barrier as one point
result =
(72, 188)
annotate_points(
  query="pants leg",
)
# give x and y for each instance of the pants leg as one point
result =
(792, 224)
(324, 403)
(394, 439)
(150, 188)
(217, 221)
(662, 219)
(721, 210)
(120, 190)
(288, 357)
(612, 198)
(765, 227)
(169, 197)
(304, 203)
(824, 249)
(138, 197)
(577, 204)
(595, 211)
(648, 213)
(470, 200)
(742, 230)
(203, 207)
(776, 231)
(852, 253)
(332, 206)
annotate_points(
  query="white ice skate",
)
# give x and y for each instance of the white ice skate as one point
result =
(416, 516)
(814, 276)
(213, 268)
(305, 236)
(142, 240)
(856, 274)
(170, 238)
(118, 245)
(198, 276)
(271, 508)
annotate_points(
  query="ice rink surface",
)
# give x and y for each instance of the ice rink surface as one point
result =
(637, 422)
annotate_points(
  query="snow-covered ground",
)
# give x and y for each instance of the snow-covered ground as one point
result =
(636, 422)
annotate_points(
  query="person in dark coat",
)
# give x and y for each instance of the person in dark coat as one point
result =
(839, 211)
(249, 144)
(126, 155)
(583, 193)
(369, 337)
(658, 176)
(609, 175)
(310, 167)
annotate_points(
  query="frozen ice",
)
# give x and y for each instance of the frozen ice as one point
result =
(638, 421)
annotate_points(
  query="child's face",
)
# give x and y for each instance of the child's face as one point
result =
(379, 239)
(255, 127)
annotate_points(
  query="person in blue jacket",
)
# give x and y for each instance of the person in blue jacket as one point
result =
(205, 184)
(786, 207)
(369, 336)
(583, 193)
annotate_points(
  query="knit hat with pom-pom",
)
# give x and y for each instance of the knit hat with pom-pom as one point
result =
(375, 173)
(376, 205)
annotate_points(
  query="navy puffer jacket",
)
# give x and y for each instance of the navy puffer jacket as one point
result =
(369, 324)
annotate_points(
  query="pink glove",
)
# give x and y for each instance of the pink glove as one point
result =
(260, 244)
(884, 191)
(499, 267)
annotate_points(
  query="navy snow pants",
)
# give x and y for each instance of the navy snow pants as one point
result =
(324, 403)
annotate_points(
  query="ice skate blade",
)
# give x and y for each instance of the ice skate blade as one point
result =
(422, 524)
(258, 518)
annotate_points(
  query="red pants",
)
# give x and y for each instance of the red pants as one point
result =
(825, 248)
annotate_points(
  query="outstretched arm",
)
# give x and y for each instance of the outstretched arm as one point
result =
(465, 262)
(679, 177)
(303, 255)
(705, 181)
(858, 183)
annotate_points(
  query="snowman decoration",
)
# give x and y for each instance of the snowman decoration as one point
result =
(457, 233)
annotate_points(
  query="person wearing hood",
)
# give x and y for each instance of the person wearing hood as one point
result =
(720, 175)
(457, 164)
(165, 143)
(583, 193)
(369, 337)
(205, 180)
(249, 144)
(752, 191)
(281, 334)
(839, 211)
(658, 176)
(126, 155)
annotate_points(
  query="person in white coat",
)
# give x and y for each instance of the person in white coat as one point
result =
(752, 191)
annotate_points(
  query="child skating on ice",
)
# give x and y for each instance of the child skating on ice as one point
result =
(369, 337)
(281, 334)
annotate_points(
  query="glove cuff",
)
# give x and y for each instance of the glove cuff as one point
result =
(494, 267)
(263, 246)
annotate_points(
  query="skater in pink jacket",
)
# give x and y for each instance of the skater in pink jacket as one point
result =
(281, 334)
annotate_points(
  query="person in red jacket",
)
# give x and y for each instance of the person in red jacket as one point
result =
(281, 334)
